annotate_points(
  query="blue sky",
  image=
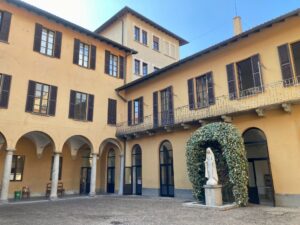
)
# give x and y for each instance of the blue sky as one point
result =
(202, 23)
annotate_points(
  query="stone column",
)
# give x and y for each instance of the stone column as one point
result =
(121, 181)
(6, 175)
(55, 172)
(93, 175)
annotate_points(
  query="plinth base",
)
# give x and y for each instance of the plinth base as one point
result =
(213, 195)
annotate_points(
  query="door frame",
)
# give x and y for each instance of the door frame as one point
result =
(265, 141)
(166, 165)
(81, 169)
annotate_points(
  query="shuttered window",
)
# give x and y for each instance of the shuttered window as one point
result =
(201, 91)
(41, 98)
(249, 76)
(115, 66)
(5, 19)
(144, 37)
(84, 55)
(47, 42)
(167, 106)
(285, 64)
(112, 112)
(136, 111)
(231, 81)
(5, 81)
(81, 106)
(155, 109)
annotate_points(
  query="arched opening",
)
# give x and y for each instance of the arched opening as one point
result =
(2, 153)
(261, 189)
(111, 169)
(31, 163)
(166, 169)
(111, 174)
(76, 165)
(136, 164)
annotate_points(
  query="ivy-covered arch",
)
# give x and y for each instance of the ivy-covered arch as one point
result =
(232, 148)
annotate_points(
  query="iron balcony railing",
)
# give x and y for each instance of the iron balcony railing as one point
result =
(282, 92)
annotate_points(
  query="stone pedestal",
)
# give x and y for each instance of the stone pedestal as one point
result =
(213, 195)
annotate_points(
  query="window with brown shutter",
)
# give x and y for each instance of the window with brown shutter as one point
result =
(46, 41)
(41, 98)
(5, 20)
(191, 96)
(155, 109)
(112, 112)
(5, 81)
(249, 76)
(122, 67)
(129, 113)
(231, 81)
(93, 57)
(81, 106)
(84, 55)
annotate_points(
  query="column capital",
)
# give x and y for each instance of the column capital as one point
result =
(94, 154)
(10, 150)
(57, 153)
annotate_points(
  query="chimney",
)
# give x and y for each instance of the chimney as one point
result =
(237, 25)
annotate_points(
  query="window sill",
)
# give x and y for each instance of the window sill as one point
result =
(141, 43)
(78, 120)
(49, 56)
(39, 114)
(88, 68)
(114, 76)
(4, 42)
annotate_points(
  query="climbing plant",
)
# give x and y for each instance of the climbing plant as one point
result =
(228, 147)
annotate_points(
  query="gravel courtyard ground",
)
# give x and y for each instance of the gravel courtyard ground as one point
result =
(139, 210)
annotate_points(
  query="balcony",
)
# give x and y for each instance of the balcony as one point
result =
(275, 95)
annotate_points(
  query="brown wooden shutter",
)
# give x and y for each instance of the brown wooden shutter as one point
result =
(72, 104)
(52, 101)
(5, 26)
(155, 109)
(37, 37)
(171, 106)
(129, 114)
(231, 81)
(122, 67)
(90, 108)
(57, 47)
(141, 110)
(106, 67)
(93, 57)
(30, 96)
(76, 51)
(112, 112)
(285, 63)
(191, 93)
(257, 73)
(210, 87)
(5, 91)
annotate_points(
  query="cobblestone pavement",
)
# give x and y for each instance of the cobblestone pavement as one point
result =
(113, 210)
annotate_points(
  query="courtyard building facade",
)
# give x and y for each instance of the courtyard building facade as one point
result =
(76, 118)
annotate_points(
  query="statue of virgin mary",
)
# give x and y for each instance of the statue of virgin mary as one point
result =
(210, 168)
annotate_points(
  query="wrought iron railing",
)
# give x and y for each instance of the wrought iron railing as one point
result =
(275, 93)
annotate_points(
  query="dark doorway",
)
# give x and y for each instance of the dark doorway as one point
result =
(85, 180)
(166, 170)
(111, 171)
(261, 190)
(137, 170)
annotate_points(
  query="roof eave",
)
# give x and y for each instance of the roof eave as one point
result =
(69, 24)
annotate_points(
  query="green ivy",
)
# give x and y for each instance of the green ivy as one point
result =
(228, 140)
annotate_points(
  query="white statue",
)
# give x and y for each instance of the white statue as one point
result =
(210, 168)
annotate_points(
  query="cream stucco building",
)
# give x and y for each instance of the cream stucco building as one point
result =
(76, 117)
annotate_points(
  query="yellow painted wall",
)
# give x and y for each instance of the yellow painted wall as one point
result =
(145, 52)
(281, 128)
(19, 60)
